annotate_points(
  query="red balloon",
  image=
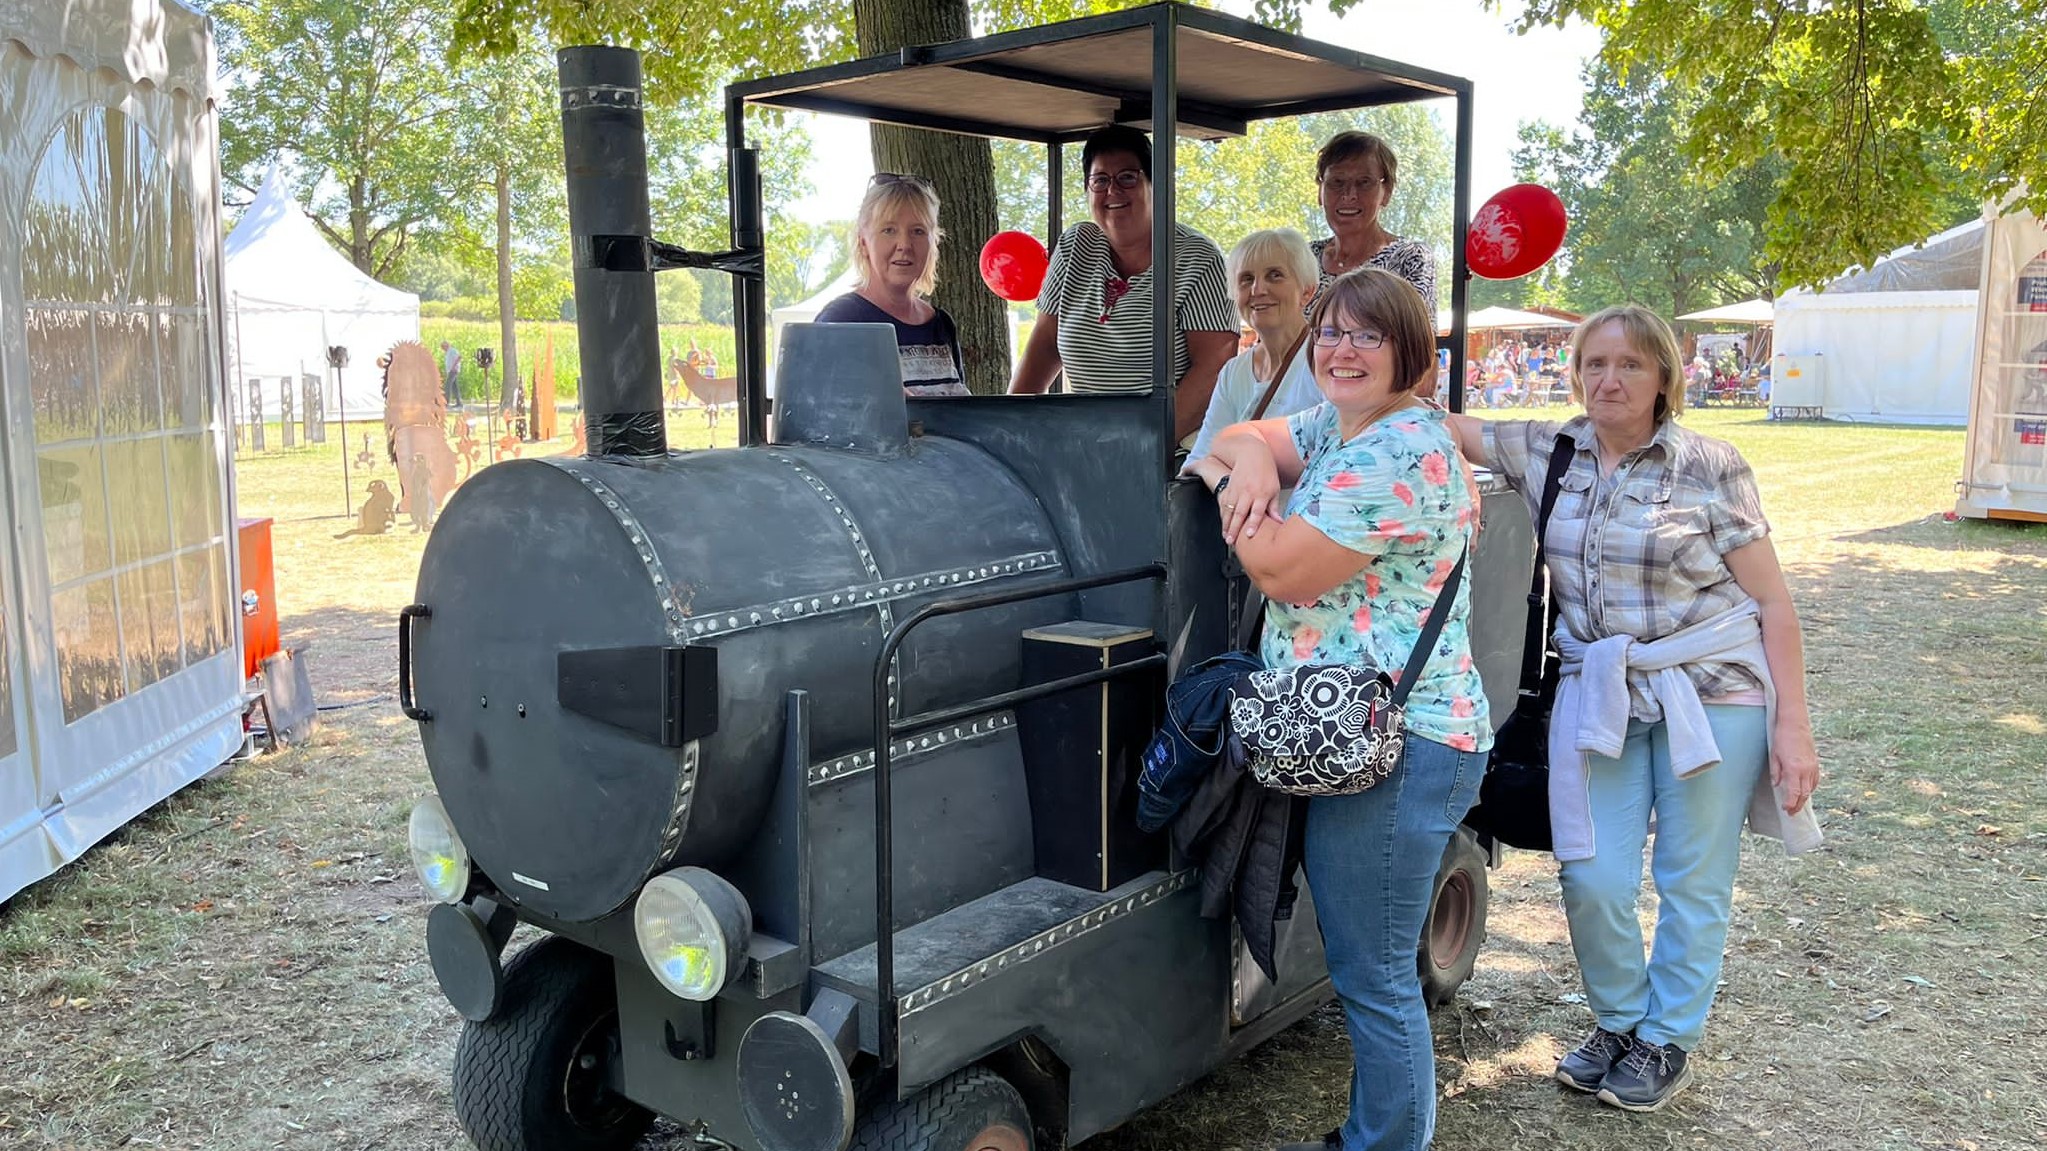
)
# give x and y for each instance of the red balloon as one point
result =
(1515, 232)
(1013, 265)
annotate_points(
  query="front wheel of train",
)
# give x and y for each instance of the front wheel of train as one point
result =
(970, 1110)
(1456, 923)
(533, 1077)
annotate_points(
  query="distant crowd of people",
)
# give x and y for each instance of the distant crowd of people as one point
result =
(1519, 372)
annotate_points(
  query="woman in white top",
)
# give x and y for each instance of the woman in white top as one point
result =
(1272, 276)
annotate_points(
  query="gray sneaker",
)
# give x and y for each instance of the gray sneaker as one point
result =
(1647, 1077)
(1585, 1068)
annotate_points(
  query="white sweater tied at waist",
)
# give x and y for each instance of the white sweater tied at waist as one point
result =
(1591, 715)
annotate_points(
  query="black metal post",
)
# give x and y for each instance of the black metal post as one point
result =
(1165, 120)
(886, 729)
(604, 144)
(1460, 273)
(1055, 194)
(749, 293)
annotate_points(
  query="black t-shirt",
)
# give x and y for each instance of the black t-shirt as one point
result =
(929, 352)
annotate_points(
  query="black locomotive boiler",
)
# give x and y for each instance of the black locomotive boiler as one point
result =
(812, 760)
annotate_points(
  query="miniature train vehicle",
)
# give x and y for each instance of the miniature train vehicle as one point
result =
(812, 760)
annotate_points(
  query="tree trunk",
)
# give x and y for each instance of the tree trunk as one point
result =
(508, 327)
(962, 168)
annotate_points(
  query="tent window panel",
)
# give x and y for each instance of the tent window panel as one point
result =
(77, 540)
(149, 623)
(196, 516)
(184, 251)
(187, 378)
(88, 648)
(127, 372)
(205, 603)
(136, 496)
(64, 237)
(63, 387)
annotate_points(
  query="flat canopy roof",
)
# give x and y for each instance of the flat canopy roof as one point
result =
(1062, 81)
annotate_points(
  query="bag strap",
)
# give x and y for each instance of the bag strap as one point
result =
(1253, 618)
(1424, 647)
(1278, 375)
(1539, 610)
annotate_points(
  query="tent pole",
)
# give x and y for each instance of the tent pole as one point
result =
(239, 401)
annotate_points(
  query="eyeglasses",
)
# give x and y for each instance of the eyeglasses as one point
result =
(1367, 339)
(1341, 188)
(1127, 179)
(883, 179)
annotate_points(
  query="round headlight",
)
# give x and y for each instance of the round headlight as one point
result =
(437, 852)
(693, 928)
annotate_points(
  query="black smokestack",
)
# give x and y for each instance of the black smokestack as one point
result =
(604, 139)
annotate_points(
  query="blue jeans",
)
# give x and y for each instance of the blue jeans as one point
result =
(1698, 844)
(1372, 860)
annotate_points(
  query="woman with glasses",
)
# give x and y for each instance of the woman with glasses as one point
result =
(1355, 175)
(1380, 517)
(1682, 693)
(895, 264)
(1095, 311)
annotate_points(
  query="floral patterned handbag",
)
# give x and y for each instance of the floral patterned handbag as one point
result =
(1331, 729)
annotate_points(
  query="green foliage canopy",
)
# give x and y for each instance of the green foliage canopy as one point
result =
(1879, 111)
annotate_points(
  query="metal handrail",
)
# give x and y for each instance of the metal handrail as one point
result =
(887, 728)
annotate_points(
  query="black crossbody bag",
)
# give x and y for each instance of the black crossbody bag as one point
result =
(1513, 800)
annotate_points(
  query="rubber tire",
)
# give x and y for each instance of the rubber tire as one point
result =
(511, 1070)
(947, 1116)
(1461, 890)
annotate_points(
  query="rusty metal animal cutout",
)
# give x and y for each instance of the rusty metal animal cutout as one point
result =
(415, 418)
(378, 512)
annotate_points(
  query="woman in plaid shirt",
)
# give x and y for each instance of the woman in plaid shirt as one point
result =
(1683, 693)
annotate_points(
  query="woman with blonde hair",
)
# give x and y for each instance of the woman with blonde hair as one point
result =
(895, 266)
(1271, 275)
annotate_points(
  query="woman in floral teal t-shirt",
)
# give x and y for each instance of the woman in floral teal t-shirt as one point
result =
(1380, 513)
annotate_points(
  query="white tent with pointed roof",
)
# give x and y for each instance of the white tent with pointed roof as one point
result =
(291, 296)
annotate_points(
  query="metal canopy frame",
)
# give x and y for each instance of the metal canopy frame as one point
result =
(1124, 67)
(1055, 84)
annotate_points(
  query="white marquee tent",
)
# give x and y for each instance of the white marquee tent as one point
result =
(120, 681)
(1890, 343)
(290, 296)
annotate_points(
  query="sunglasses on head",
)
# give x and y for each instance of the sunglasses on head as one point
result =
(883, 179)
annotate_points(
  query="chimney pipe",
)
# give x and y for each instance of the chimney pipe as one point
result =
(604, 141)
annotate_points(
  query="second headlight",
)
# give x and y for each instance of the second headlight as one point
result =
(693, 929)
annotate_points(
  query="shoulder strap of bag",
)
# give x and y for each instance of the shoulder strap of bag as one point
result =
(1537, 639)
(1439, 614)
(1253, 618)
(1279, 375)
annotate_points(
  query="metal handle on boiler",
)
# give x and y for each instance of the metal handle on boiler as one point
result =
(406, 703)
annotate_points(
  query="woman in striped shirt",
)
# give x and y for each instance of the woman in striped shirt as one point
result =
(1095, 312)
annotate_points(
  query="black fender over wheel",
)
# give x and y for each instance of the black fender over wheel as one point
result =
(533, 1076)
(1456, 924)
(970, 1110)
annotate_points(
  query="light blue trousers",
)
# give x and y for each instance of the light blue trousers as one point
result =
(1665, 998)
